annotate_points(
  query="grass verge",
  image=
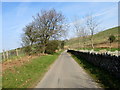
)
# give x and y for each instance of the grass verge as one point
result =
(100, 76)
(28, 74)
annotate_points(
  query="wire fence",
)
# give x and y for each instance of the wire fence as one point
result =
(11, 54)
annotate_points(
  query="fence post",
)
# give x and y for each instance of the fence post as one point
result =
(7, 54)
(3, 54)
(16, 52)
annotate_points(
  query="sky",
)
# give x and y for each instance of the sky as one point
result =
(60, 0)
(15, 15)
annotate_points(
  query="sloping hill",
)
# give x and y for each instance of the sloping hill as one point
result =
(100, 40)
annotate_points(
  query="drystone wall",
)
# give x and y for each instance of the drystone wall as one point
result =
(104, 61)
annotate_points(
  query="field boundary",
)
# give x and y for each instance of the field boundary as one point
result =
(104, 61)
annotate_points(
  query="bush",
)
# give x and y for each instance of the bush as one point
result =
(28, 50)
(52, 46)
(111, 38)
(62, 44)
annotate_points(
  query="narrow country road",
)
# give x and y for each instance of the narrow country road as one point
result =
(66, 73)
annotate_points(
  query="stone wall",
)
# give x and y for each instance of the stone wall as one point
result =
(104, 61)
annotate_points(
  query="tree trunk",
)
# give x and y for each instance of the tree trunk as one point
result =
(92, 43)
(79, 43)
(43, 49)
(83, 42)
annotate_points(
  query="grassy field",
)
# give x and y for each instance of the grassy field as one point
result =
(99, 75)
(98, 49)
(28, 74)
(100, 40)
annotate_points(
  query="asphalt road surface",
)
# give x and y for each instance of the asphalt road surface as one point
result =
(66, 73)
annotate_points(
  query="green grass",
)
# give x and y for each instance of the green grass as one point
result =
(100, 37)
(14, 57)
(99, 75)
(98, 49)
(28, 74)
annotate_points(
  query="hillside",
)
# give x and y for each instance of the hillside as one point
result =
(100, 40)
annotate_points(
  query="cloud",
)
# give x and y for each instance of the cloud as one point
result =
(106, 12)
(105, 15)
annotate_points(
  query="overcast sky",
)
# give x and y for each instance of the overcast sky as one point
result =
(15, 15)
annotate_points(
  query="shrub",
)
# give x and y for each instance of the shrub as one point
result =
(111, 38)
(27, 50)
(52, 46)
(62, 44)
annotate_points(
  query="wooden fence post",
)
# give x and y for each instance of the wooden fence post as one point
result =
(3, 54)
(16, 52)
(7, 54)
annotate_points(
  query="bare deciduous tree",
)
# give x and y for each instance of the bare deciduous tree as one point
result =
(80, 30)
(92, 25)
(28, 38)
(49, 25)
(46, 25)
